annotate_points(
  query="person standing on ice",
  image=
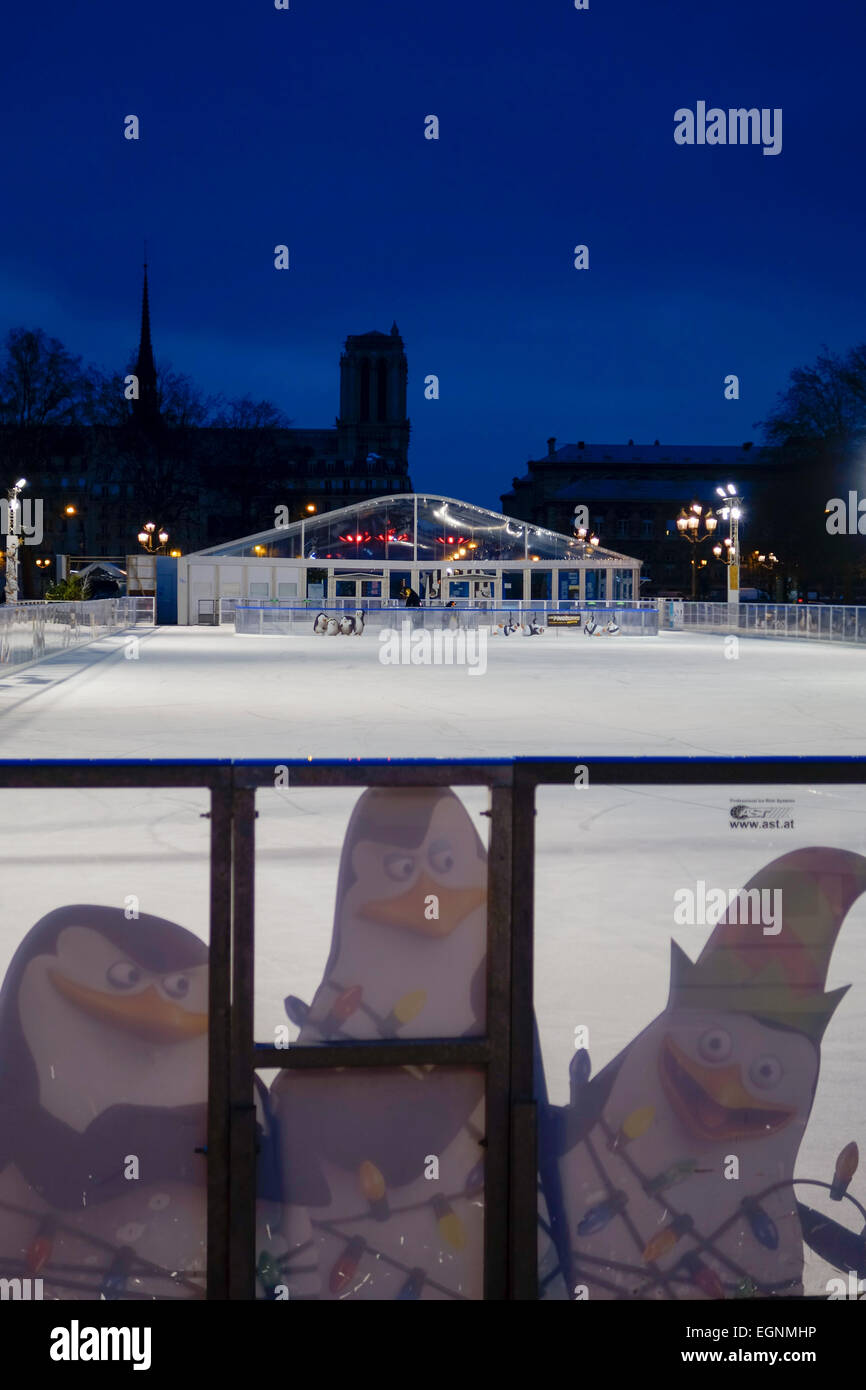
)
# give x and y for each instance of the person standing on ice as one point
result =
(675, 1165)
(411, 597)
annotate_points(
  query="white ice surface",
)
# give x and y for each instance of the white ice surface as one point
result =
(609, 859)
(204, 692)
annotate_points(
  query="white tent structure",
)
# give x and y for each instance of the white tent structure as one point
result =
(444, 549)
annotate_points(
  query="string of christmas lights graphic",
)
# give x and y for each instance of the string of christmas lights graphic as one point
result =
(837, 1245)
(125, 1266)
(349, 1000)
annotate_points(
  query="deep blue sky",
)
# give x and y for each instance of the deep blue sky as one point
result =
(261, 126)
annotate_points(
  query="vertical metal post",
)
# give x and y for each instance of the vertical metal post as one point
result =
(523, 1215)
(242, 1113)
(498, 1121)
(219, 1040)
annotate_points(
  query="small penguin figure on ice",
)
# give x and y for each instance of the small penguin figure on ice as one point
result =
(673, 1170)
(387, 1163)
(353, 625)
(333, 627)
(612, 627)
(533, 628)
(320, 624)
(103, 1106)
(590, 626)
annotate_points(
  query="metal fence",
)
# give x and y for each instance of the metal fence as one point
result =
(823, 622)
(281, 620)
(33, 630)
(506, 1051)
(222, 610)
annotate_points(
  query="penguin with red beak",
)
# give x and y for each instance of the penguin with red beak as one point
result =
(388, 1161)
(103, 1107)
(671, 1175)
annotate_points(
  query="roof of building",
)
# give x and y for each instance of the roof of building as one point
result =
(447, 529)
(647, 489)
(679, 454)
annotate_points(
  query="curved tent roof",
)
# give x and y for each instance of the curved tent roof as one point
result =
(416, 528)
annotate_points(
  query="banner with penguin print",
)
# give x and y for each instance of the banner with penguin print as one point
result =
(385, 1166)
(691, 1164)
(696, 1063)
(103, 1107)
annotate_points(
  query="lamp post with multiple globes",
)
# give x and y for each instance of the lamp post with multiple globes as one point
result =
(689, 526)
(153, 539)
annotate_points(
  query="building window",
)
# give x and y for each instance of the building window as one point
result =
(647, 528)
(331, 466)
(621, 528)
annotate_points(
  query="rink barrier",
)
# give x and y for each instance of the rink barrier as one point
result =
(282, 620)
(828, 622)
(220, 611)
(33, 630)
(506, 1051)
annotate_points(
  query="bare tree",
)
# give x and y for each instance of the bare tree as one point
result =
(40, 381)
(824, 401)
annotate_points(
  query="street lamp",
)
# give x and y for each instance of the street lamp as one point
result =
(731, 511)
(689, 526)
(42, 565)
(151, 539)
(12, 541)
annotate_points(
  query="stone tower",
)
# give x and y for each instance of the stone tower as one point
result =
(372, 419)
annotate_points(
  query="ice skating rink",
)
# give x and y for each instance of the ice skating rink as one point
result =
(609, 859)
(204, 692)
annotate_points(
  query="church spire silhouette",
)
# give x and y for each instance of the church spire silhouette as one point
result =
(146, 408)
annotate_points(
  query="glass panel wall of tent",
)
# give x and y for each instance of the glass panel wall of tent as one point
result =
(366, 554)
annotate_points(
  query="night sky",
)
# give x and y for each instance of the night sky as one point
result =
(261, 126)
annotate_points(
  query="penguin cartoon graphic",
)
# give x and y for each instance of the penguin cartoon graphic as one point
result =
(388, 1161)
(673, 1170)
(103, 1114)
